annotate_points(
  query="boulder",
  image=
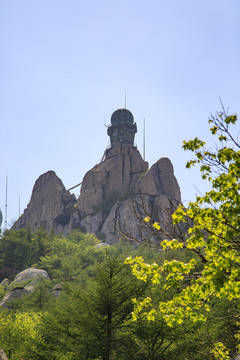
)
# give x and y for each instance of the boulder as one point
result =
(17, 292)
(3, 356)
(30, 276)
(57, 289)
(101, 245)
(5, 282)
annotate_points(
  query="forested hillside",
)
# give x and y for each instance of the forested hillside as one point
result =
(105, 302)
(92, 316)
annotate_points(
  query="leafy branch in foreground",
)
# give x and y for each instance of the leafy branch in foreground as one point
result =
(214, 233)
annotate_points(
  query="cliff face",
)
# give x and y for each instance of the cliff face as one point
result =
(121, 190)
(115, 196)
(51, 206)
(107, 182)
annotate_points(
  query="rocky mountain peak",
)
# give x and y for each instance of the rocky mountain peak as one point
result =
(51, 206)
(113, 177)
(108, 190)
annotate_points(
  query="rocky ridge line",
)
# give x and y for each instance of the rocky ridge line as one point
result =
(114, 195)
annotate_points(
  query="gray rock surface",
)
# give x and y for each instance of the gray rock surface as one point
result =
(3, 356)
(101, 245)
(51, 206)
(5, 282)
(30, 276)
(126, 218)
(115, 194)
(17, 292)
(105, 182)
(160, 180)
(57, 289)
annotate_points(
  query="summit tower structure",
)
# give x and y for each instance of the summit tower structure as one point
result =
(122, 128)
(115, 196)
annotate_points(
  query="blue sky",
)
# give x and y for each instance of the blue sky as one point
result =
(65, 67)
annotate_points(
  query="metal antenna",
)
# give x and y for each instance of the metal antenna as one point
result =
(125, 100)
(144, 139)
(1, 218)
(5, 220)
(19, 206)
(105, 123)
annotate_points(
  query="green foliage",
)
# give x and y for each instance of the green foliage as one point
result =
(69, 257)
(2, 292)
(37, 301)
(19, 333)
(214, 235)
(154, 340)
(220, 352)
(93, 322)
(61, 257)
(187, 304)
(101, 236)
(80, 317)
(83, 239)
(21, 249)
(102, 289)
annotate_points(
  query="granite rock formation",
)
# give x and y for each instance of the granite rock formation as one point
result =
(51, 206)
(16, 293)
(30, 276)
(23, 284)
(115, 196)
(105, 182)
(114, 192)
(110, 194)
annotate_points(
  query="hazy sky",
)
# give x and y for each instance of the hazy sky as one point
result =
(65, 66)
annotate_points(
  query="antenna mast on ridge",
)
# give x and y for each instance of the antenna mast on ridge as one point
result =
(105, 123)
(5, 219)
(144, 140)
(125, 100)
(19, 206)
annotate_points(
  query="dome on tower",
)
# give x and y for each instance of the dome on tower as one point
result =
(122, 116)
(122, 128)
